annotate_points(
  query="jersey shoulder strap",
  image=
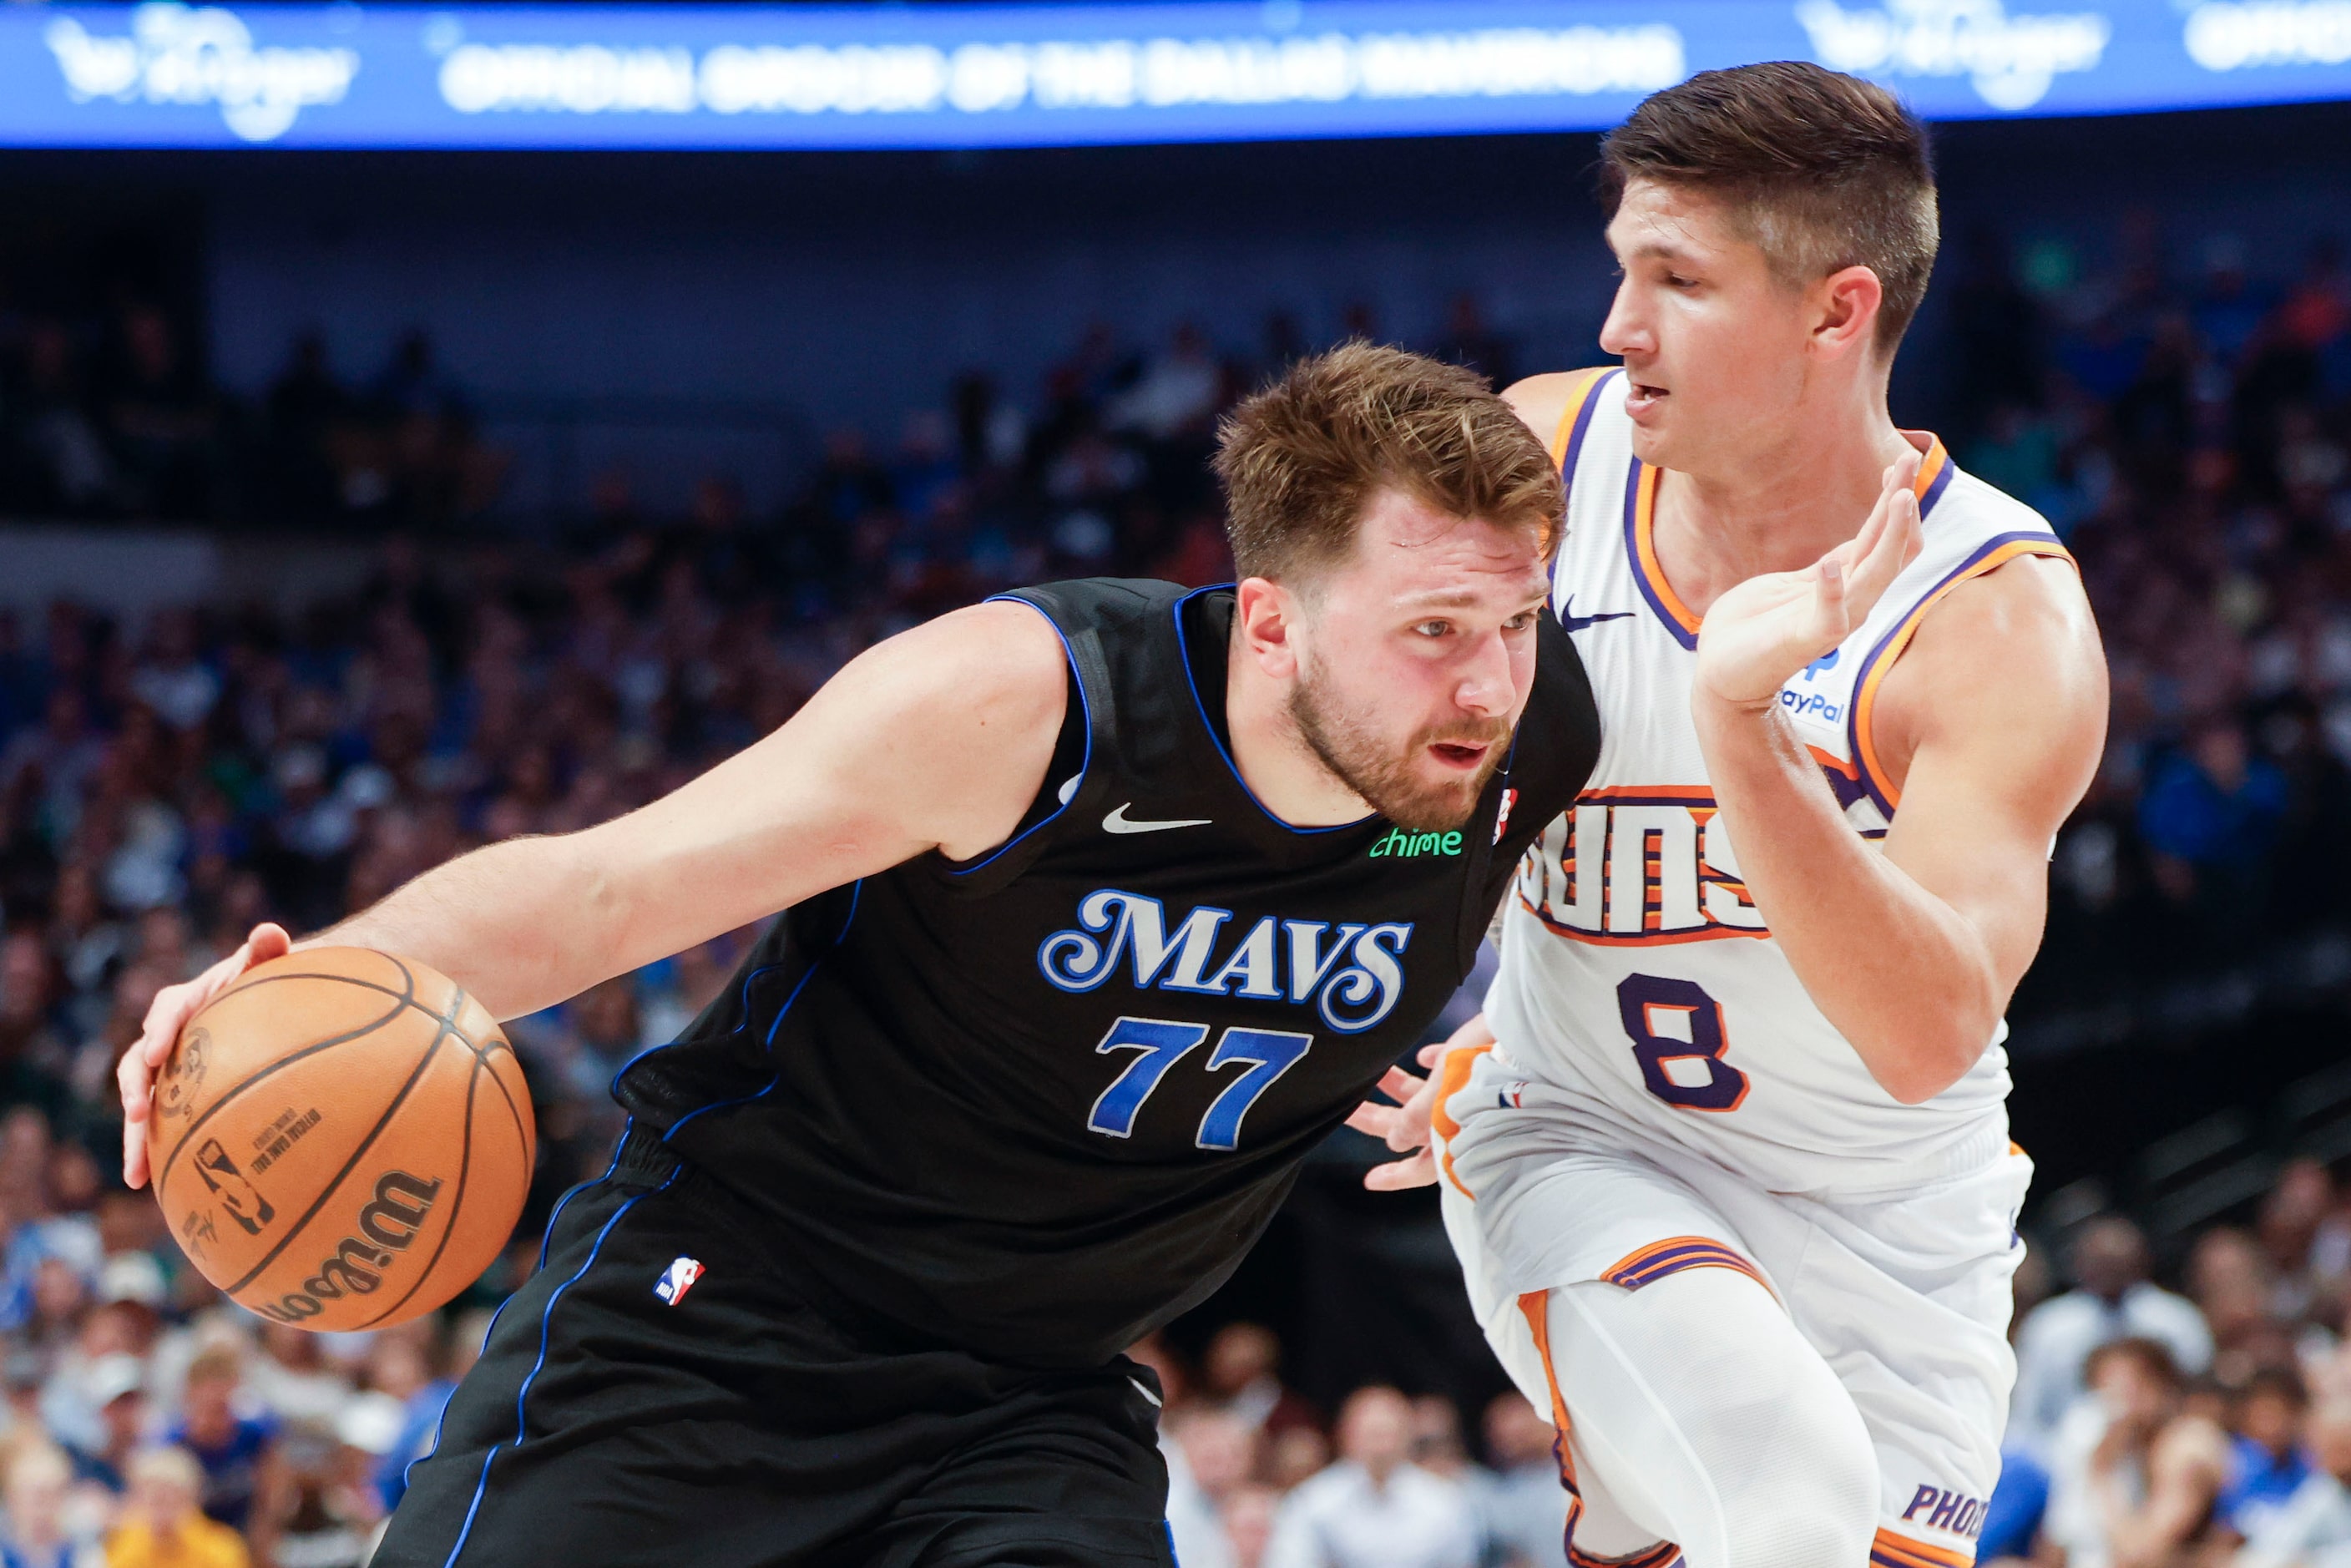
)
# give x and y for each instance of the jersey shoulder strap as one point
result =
(1104, 624)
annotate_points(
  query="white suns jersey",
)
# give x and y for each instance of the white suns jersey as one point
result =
(1636, 975)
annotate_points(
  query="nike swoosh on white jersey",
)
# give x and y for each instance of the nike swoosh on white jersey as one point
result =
(1117, 822)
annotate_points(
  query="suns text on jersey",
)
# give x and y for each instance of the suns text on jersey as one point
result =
(1639, 865)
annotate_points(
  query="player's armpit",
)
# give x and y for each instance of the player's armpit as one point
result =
(1992, 724)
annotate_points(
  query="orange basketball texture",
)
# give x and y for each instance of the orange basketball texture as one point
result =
(341, 1139)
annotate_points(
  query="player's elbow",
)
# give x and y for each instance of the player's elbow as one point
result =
(1927, 1058)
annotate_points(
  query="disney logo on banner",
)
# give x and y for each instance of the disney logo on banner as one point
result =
(2010, 61)
(196, 54)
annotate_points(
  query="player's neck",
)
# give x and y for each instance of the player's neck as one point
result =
(1779, 508)
(1273, 759)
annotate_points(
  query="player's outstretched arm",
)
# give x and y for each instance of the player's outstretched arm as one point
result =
(1993, 721)
(937, 738)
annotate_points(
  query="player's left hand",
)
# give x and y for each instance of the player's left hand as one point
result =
(1404, 1126)
(1756, 637)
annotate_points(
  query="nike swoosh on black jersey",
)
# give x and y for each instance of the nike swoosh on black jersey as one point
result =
(1119, 822)
(1571, 622)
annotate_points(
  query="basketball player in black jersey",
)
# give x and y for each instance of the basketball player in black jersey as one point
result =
(1105, 902)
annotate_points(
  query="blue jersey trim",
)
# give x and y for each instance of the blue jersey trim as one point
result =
(614, 1087)
(1086, 707)
(1183, 657)
(856, 892)
(545, 1238)
(546, 1323)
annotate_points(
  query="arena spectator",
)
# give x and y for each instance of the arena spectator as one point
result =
(35, 1532)
(1374, 1509)
(2268, 1463)
(163, 1527)
(2311, 1528)
(1521, 1506)
(1242, 1372)
(2112, 1299)
(1249, 1519)
(234, 1449)
(2134, 1475)
(309, 1514)
(116, 1390)
(1195, 1526)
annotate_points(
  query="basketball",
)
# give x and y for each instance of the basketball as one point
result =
(341, 1139)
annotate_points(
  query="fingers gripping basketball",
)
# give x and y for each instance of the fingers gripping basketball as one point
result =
(341, 1139)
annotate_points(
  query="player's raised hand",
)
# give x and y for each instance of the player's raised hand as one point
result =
(169, 1014)
(1404, 1126)
(1756, 637)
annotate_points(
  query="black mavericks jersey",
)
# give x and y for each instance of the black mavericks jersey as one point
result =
(1037, 1103)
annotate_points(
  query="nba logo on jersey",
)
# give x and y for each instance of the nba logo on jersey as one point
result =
(678, 1279)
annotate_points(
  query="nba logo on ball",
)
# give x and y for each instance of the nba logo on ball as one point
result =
(677, 1279)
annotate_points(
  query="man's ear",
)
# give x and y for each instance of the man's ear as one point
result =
(1847, 302)
(1265, 625)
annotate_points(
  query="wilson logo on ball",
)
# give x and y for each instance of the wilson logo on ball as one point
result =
(387, 1226)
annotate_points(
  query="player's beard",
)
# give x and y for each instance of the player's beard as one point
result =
(1382, 772)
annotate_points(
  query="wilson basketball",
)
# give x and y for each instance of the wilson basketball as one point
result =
(341, 1140)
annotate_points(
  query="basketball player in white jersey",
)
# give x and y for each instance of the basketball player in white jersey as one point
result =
(1727, 1159)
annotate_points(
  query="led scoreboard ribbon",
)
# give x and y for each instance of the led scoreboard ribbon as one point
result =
(345, 75)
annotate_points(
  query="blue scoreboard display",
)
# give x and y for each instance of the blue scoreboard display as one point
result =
(403, 76)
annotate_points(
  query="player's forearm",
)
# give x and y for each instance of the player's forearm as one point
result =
(1903, 976)
(515, 922)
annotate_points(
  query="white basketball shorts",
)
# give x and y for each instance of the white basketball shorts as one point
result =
(1905, 1296)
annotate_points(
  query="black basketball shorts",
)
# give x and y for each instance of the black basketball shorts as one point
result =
(663, 1392)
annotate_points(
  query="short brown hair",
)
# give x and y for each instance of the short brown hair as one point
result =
(2154, 1357)
(1831, 172)
(1302, 458)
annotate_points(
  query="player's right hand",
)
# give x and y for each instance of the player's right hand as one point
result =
(166, 1016)
(1405, 1126)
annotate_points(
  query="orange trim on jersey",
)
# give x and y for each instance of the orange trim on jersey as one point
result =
(1644, 550)
(1647, 1265)
(1661, 793)
(1931, 463)
(1664, 1554)
(1449, 1081)
(1562, 432)
(1889, 649)
(1835, 764)
(1534, 1306)
(1892, 1551)
(1934, 469)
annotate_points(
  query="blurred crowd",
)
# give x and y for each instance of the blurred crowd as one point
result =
(106, 413)
(2205, 1429)
(166, 783)
(1259, 1478)
(147, 1423)
(2186, 424)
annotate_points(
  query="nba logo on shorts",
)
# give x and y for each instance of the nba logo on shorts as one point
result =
(677, 1279)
